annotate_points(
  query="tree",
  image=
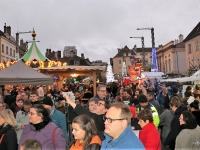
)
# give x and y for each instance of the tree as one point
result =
(109, 74)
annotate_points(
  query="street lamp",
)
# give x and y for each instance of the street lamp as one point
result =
(17, 43)
(143, 53)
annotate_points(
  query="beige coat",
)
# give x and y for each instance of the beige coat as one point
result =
(188, 139)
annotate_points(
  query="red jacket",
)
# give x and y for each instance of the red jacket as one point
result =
(150, 137)
(133, 111)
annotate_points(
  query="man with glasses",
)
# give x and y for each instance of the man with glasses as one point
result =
(118, 132)
(100, 110)
(101, 92)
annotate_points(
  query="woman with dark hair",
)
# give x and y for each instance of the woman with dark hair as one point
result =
(85, 133)
(189, 136)
(41, 128)
(194, 108)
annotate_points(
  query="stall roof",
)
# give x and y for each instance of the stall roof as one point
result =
(20, 74)
(152, 74)
(184, 79)
(76, 68)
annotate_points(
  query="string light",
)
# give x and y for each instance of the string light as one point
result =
(42, 64)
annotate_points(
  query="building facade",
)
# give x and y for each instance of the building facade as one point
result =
(125, 53)
(7, 45)
(68, 49)
(192, 49)
(171, 58)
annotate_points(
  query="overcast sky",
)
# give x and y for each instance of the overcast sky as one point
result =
(98, 27)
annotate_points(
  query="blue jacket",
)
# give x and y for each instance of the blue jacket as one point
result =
(126, 141)
(59, 119)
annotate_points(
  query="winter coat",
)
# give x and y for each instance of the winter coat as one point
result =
(59, 119)
(197, 116)
(21, 118)
(45, 136)
(95, 144)
(126, 141)
(8, 100)
(161, 100)
(175, 127)
(9, 139)
(150, 137)
(165, 121)
(188, 139)
(98, 119)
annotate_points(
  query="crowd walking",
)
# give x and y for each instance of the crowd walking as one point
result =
(125, 117)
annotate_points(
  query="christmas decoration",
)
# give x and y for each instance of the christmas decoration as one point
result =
(109, 74)
(124, 72)
(154, 63)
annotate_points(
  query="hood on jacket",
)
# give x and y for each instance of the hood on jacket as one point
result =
(180, 109)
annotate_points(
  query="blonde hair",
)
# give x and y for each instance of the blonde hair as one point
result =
(8, 116)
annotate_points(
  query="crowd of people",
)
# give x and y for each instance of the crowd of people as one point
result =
(117, 117)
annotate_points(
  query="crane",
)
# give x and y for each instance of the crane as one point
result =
(143, 53)
(152, 35)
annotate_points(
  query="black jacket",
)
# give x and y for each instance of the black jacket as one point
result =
(175, 127)
(8, 100)
(9, 141)
(93, 147)
(98, 119)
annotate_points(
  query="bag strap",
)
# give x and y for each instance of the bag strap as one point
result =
(1, 138)
(53, 137)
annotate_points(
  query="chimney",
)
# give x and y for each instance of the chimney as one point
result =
(9, 30)
(21, 42)
(72, 54)
(82, 56)
(180, 38)
(5, 28)
(59, 54)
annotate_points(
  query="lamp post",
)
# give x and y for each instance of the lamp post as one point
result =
(17, 43)
(143, 53)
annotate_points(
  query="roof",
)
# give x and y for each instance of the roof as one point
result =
(34, 53)
(195, 32)
(20, 74)
(70, 60)
(126, 50)
(2, 34)
(101, 68)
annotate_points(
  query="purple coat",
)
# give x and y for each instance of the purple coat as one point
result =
(45, 136)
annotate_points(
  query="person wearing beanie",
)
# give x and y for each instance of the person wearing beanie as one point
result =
(57, 117)
(144, 104)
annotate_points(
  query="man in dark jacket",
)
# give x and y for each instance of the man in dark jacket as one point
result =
(100, 110)
(7, 98)
(150, 97)
(176, 106)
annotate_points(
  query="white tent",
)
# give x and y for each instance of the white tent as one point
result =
(184, 79)
(152, 75)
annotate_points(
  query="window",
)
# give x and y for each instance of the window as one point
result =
(6, 49)
(2, 48)
(76, 62)
(197, 45)
(10, 51)
(189, 49)
(120, 61)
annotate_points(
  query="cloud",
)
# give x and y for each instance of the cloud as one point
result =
(98, 27)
